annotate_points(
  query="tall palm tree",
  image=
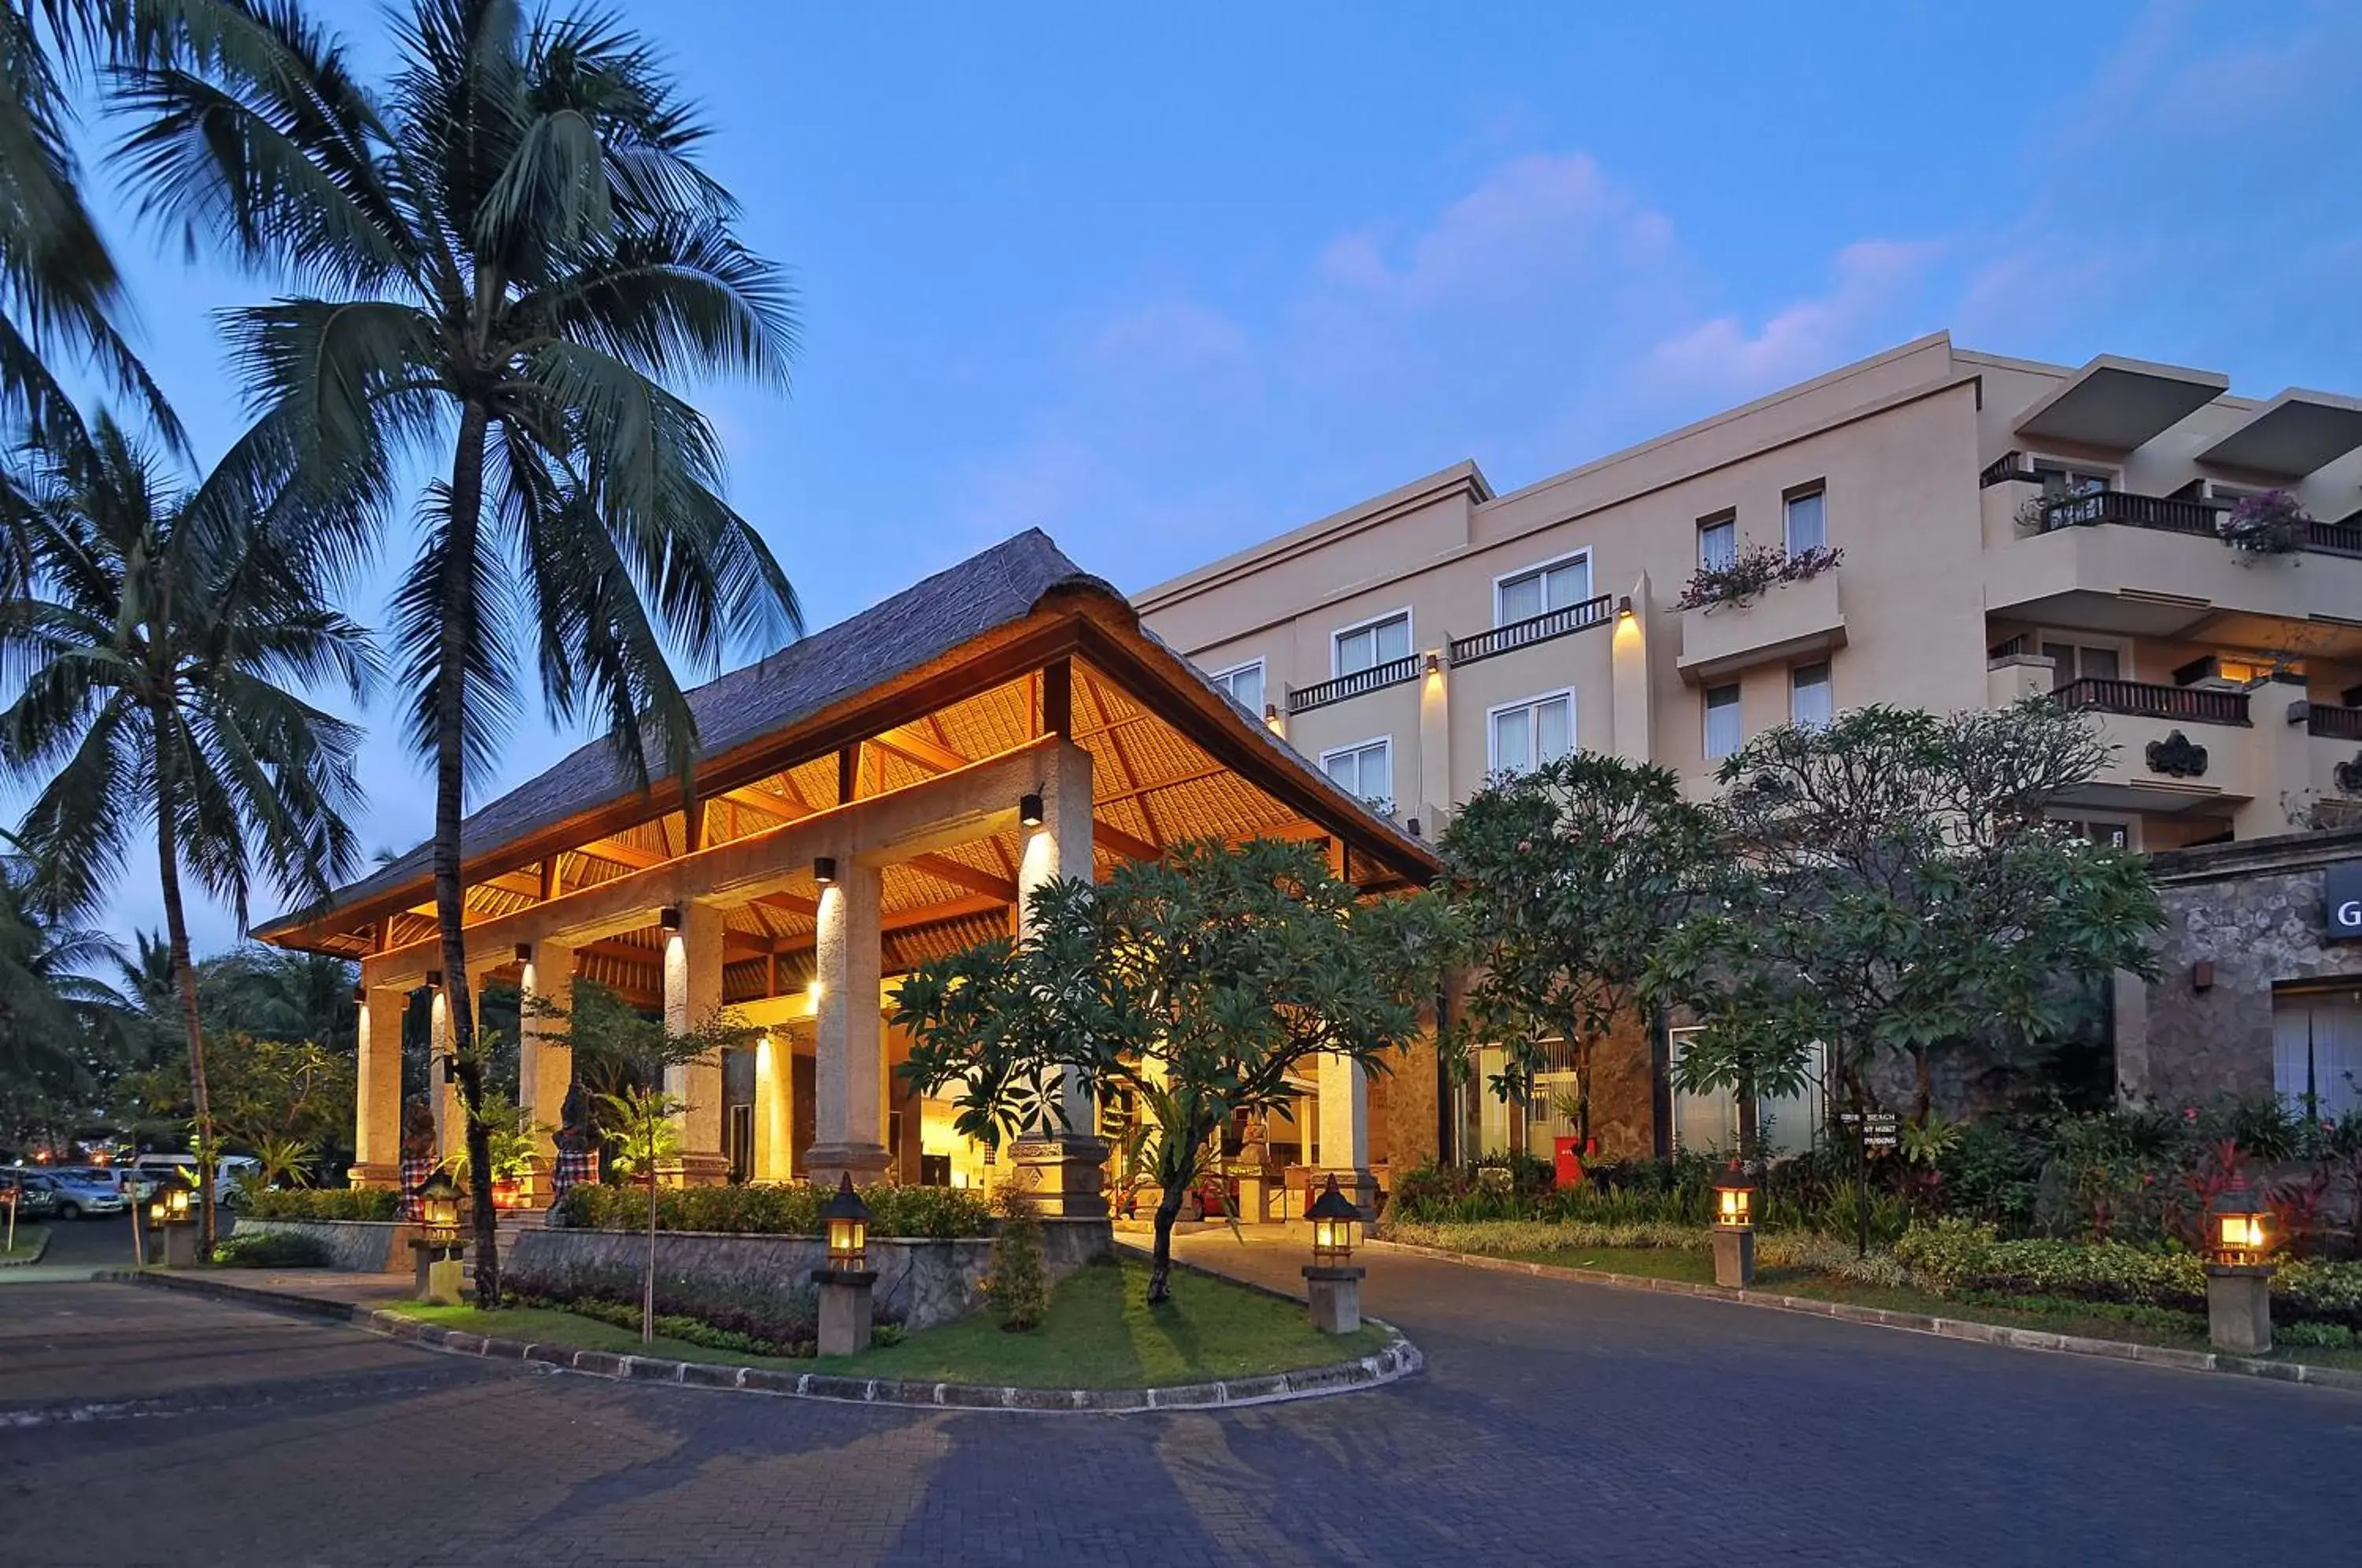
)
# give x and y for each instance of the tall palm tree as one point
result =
(509, 249)
(160, 647)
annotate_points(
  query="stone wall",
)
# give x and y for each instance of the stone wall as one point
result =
(364, 1246)
(920, 1283)
(2253, 910)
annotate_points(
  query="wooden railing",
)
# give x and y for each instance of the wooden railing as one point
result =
(2336, 538)
(2141, 699)
(1392, 673)
(2007, 467)
(1534, 629)
(2336, 723)
(2123, 506)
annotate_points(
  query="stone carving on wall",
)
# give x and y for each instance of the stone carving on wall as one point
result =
(2348, 775)
(2177, 757)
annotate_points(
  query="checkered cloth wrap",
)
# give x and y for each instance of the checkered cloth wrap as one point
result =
(573, 1168)
(416, 1169)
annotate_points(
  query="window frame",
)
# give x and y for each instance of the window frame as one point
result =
(1539, 569)
(1788, 499)
(1338, 635)
(1573, 716)
(1705, 719)
(1222, 677)
(1384, 741)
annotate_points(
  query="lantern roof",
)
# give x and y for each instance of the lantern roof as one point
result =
(1332, 1204)
(845, 1203)
(1733, 1180)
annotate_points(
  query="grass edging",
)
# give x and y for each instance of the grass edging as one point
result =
(1398, 1358)
(1912, 1322)
(11, 1259)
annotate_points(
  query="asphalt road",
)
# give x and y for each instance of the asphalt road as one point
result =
(1556, 1422)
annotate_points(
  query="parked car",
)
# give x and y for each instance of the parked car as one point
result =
(36, 1195)
(82, 1190)
(227, 1174)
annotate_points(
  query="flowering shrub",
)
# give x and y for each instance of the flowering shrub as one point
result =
(2271, 523)
(786, 1210)
(1751, 572)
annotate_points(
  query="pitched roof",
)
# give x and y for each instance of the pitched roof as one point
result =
(902, 634)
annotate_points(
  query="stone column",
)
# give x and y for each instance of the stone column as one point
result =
(848, 1110)
(376, 1098)
(1061, 1167)
(1345, 1129)
(442, 1086)
(774, 1107)
(693, 994)
(544, 1058)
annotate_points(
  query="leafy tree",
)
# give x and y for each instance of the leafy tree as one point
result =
(501, 254)
(55, 1017)
(276, 995)
(162, 643)
(1565, 880)
(1896, 890)
(1200, 983)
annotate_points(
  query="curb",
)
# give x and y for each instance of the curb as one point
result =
(29, 1259)
(1912, 1323)
(1398, 1358)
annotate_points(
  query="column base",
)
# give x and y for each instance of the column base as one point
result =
(693, 1170)
(1360, 1185)
(385, 1175)
(827, 1163)
(1734, 1257)
(845, 1307)
(180, 1247)
(1336, 1297)
(1062, 1175)
(2239, 1308)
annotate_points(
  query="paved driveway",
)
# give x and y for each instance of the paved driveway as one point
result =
(1556, 1423)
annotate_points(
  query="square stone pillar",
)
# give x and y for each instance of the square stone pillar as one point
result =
(693, 994)
(1345, 1129)
(774, 1107)
(2239, 1308)
(377, 1090)
(849, 1106)
(544, 1058)
(1062, 1166)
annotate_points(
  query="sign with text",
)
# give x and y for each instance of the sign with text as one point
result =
(2341, 887)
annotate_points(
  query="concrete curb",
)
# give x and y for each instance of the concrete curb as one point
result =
(1913, 1322)
(1398, 1358)
(29, 1259)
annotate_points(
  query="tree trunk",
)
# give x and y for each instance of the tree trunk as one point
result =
(1582, 1098)
(1922, 1100)
(460, 612)
(185, 980)
(648, 1285)
(1160, 1266)
(1751, 1130)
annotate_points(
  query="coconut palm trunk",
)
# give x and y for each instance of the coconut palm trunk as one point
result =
(184, 982)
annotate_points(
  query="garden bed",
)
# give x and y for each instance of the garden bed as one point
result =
(30, 1240)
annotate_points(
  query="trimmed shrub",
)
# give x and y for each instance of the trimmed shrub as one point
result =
(783, 1321)
(323, 1203)
(275, 1249)
(789, 1209)
(1019, 1286)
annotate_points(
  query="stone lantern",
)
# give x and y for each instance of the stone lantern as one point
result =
(846, 1280)
(2238, 1270)
(1333, 1283)
(1734, 1229)
(437, 1256)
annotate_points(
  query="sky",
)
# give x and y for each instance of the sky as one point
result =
(1167, 282)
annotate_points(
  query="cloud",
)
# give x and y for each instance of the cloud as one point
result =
(1804, 338)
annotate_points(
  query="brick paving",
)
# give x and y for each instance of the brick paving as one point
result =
(1556, 1422)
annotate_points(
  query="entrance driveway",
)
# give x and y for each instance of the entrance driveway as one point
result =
(1554, 1422)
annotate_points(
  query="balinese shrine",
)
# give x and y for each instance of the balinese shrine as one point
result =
(871, 796)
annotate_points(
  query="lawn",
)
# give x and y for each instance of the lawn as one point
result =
(1101, 1333)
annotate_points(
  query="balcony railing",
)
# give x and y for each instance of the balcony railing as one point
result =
(1392, 673)
(2341, 538)
(1534, 629)
(2336, 723)
(2141, 699)
(2123, 506)
(2007, 467)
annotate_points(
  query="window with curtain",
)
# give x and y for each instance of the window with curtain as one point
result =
(1381, 642)
(1244, 684)
(1718, 543)
(1807, 525)
(1367, 770)
(1809, 702)
(1722, 734)
(1541, 590)
(1527, 735)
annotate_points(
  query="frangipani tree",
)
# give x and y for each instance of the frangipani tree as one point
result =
(1201, 984)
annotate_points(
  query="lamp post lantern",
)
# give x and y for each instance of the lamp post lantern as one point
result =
(846, 1279)
(169, 1210)
(2238, 1270)
(1333, 1283)
(436, 1255)
(1734, 1229)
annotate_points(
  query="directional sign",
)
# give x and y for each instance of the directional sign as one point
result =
(1880, 1131)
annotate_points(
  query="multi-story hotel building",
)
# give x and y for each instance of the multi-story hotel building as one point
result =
(1999, 528)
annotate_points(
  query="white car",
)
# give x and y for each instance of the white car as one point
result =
(155, 1169)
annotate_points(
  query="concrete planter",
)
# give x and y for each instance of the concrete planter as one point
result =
(920, 1282)
(364, 1246)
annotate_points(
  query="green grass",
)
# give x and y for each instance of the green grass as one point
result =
(1101, 1333)
(29, 1240)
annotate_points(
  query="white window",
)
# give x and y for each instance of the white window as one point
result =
(1541, 590)
(2317, 1052)
(1529, 733)
(1718, 542)
(1366, 770)
(1808, 695)
(1808, 523)
(1244, 684)
(1722, 734)
(1373, 644)
(1708, 1123)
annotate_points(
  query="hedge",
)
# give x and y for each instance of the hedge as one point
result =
(1960, 1256)
(323, 1203)
(789, 1209)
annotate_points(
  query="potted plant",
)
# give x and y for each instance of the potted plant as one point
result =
(511, 1139)
(2270, 523)
(1749, 573)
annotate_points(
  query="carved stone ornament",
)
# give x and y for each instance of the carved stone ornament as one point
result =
(2348, 775)
(2177, 757)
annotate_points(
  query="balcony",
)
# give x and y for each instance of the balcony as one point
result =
(1534, 629)
(2334, 723)
(1790, 621)
(2141, 699)
(2172, 749)
(1303, 700)
(2169, 516)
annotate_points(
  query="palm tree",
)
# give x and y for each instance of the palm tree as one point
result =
(510, 250)
(158, 645)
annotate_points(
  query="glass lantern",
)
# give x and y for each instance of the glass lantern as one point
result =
(1336, 1226)
(176, 1206)
(438, 1205)
(847, 1219)
(1733, 1199)
(2240, 1224)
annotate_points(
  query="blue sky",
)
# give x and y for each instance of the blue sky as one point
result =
(1165, 283)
